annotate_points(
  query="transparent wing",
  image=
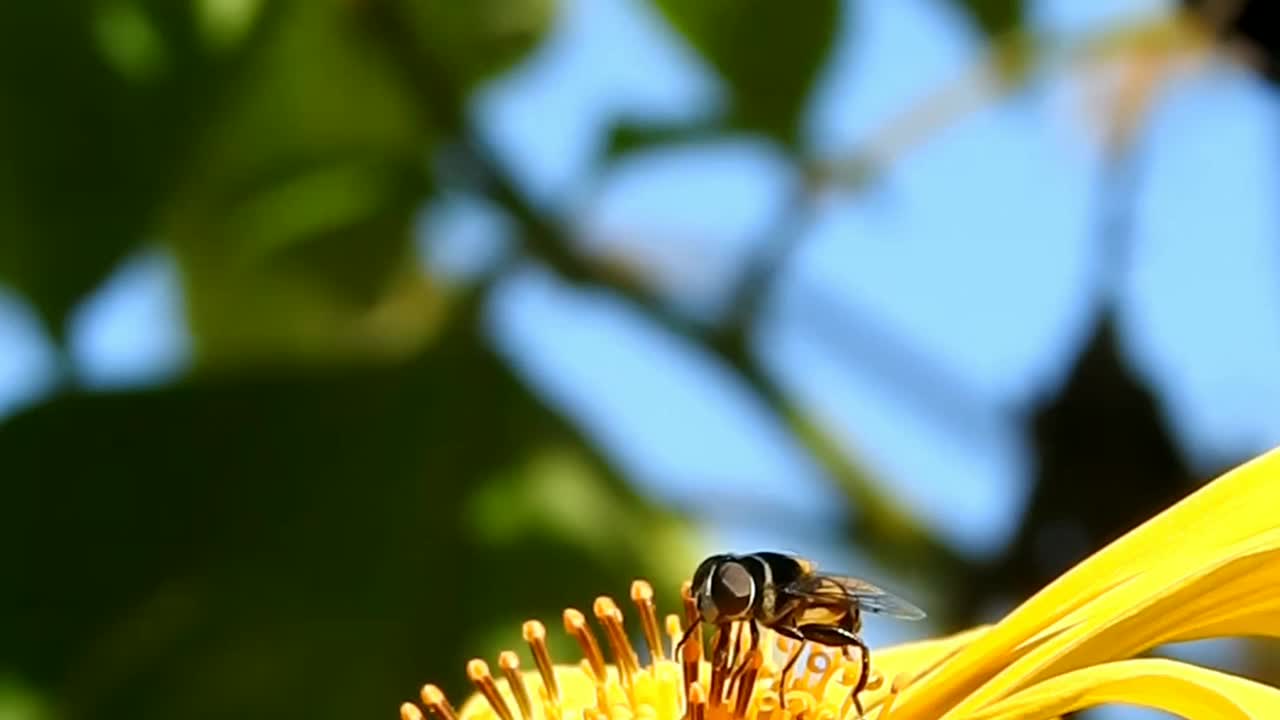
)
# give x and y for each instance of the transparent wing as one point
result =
(826, 588)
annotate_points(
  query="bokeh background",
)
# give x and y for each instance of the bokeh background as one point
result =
(337, 337)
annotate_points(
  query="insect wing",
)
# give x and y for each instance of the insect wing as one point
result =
(825, 588)
(887, 604)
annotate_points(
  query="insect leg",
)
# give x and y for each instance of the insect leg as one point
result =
(753, 634)
(865, 674)
(853, 623)
(844, 638)
(720, 642)
(788, 632)
(753, 641)
(688, 633)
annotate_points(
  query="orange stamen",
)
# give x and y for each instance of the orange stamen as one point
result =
(672, 621)
(436, 703)
(825, 671)
(798, 704)
(602, 700)
(642, 596)
(575, 623)
(624, 656)
(746, 683)
(900, 683)
(510, 664)
(767, 706)
(550, 708)
(697, 703)
(535, 634)
(741, 681)
(478, 672)
(691, 614)
(873, 682)
(691, 661)
(719, 670)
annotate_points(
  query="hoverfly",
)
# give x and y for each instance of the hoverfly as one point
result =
(788, 595)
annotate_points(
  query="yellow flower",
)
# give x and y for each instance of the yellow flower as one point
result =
(1207, 567)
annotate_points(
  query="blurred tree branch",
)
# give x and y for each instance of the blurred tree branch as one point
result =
(267, 505)
(1102, 434)
(881, 526)
(1005, 68)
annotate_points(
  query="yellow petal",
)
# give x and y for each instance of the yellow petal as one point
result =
(1233, 594)
(1231, 520)
(907, 661)
(916, 657)
(1175, 687)
(1169, 601)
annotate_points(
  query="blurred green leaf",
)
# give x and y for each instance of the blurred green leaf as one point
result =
(277, 146)
(18, 702)
(768, 53)
(626, 137)
(995, 17)
(474, 40)
(301, 546)
(296, 235)
(295, 228)
(100, 101)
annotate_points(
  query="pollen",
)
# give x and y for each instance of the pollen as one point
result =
(734, 681)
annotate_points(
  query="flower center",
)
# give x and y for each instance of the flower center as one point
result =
(748, 676)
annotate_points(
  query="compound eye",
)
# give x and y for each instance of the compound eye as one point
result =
(702, 574)
(733, 590)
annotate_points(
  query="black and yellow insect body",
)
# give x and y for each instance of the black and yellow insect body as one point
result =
(788, 595)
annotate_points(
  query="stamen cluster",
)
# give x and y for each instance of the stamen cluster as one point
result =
(736, 683)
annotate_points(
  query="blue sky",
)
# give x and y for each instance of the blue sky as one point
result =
(974, 253)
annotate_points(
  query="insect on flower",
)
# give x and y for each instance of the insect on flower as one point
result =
(1207, 567)
(788, 595)
(762, 606)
